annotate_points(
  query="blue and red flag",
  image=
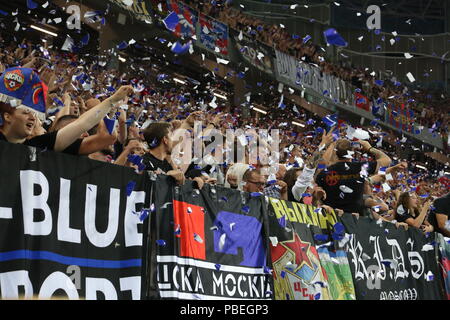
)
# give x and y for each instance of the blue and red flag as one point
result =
(362, 102)
(187, 17)
(213, 34)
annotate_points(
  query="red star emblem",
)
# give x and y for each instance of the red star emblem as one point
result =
(297, 247)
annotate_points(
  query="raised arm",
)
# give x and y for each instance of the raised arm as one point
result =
(89, 119)
(382, 159)
(99, 141)
(307, 175)
(417, 221)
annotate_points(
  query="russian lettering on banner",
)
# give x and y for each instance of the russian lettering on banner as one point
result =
(391, 264)
(305, 266)
(210, 243)
(67, 227)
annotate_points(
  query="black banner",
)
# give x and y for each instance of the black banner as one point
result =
(391, 264)
(253, 52)
(67, 227)
(308, 263)
(210, 243)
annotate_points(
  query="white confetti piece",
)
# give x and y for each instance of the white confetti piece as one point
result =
(345, 189)
(427, 247)
(386, 187)
(408, 55)
(222, 241)
(274, 241)
(223, 61)
(410, 77)
(198, 238)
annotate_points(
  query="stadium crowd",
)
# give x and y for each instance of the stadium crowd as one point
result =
(430, 110)
(323, 165)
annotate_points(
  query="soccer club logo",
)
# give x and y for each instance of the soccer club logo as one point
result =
(332, 178)
(14, 80)
(296, 268)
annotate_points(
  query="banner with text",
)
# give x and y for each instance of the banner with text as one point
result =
(210, 243)
(212, 35)
(141, 9)
(305, 265)
(389, 263)
(67, 227)
(253, 52)
(297, 73)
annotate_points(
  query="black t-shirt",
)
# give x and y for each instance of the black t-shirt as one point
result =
(74, 148)
(47, 141)
(441, 206)
(403, 216)
(152, 163)
(341, 177)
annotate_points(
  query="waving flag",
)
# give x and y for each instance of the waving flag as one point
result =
(362, 102)
(187, 19)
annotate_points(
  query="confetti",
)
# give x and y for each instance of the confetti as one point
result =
(282, 221)
(345, 189)
(31, 4)
(333, 37)
(321, 237)
(222, 241)
(410, 77)
(161, 243)
(427, 247)
(171, 21)
(274, 241)
(198, 238)
(130, 187)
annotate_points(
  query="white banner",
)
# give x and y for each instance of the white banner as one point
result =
(297, 73)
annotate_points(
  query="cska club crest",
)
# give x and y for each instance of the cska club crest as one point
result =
(14, 80)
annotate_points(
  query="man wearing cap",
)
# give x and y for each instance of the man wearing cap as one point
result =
(22, 102)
